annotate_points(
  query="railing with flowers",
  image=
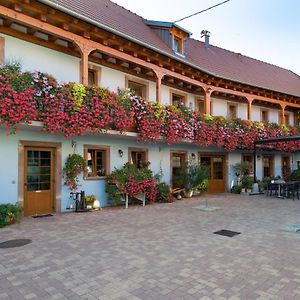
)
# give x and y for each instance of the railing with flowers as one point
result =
(73, 109)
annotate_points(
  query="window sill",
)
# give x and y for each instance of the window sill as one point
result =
(95, 178)
(180, 54)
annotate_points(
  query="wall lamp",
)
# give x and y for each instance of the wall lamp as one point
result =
(193, 155)
(120, 151)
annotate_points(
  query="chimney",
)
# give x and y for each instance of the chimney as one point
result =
(205, 34)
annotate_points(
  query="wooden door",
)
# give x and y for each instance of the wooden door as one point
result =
(38, 181)
(216, 166)
(178, 162)
(285, 167)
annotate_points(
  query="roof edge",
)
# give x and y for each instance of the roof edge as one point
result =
(100, 25)
(166, 25)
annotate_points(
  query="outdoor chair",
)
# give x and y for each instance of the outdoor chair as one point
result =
(272, 189)
(291, 190)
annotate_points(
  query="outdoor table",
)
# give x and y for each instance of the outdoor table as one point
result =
(280, 184)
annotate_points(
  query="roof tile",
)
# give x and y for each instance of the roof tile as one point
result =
(214, 60)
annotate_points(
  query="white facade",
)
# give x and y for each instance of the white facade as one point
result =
(66, 68)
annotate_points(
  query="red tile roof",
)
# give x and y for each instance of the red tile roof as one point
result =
(214, 60)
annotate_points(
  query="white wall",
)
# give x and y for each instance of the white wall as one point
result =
(219, 107)
(32, 57)
(233, 158)
(273, 114)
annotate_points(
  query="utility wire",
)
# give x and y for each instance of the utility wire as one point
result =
(199, 12)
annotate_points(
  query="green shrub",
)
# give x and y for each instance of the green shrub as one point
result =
(247, 182)
(9, 213)
(163, 194)
(236, 189)
(295, 176)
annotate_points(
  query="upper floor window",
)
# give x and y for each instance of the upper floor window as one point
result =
(98, 164)
(264, 116)
(232, 111)
(178, 99)
(2, 45)
(138, 87)
(287, 119)
(138, 157)
(93, 75)
(200, 105)
(178, 45)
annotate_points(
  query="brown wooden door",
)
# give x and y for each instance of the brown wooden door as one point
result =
(216, 166)
(178, 162)
(38, 181)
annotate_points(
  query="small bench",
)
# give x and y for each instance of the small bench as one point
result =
(176, 191)
(140, 196)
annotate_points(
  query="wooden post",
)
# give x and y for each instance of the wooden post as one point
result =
(249, 110)
(282, 115)
(159, 76)
(207, 101)
(84, 63)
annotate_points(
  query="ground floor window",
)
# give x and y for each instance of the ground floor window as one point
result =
(268, 166)
(178, 163)
(97, 158)
(138, 157)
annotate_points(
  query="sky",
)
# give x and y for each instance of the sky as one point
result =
(267, 30)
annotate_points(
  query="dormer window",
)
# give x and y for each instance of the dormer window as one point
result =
(174, 35)
(177, 46)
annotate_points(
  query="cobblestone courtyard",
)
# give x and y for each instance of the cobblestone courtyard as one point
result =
(162, 251)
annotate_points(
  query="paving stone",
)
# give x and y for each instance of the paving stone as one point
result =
(159, 252)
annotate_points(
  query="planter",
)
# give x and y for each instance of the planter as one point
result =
(96, 205)
(188, 194)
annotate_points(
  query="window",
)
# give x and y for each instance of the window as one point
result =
(264, 117)
(98, 161)
(268, 166)
(178, 99)
(296, 118)
(200, 105)
(249, 159)
(2, 44)
(138, 157)
(92, 77)
(231, 111)
(138, 87)
(287, 119)
(177, 45)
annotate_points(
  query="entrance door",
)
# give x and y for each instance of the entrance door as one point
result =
(38, 181)
(215, 164)
(285, 167)
(178, 161)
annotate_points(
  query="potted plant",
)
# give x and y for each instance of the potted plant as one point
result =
(247, 183)
(195, 179)
(89, 201)
(75, 164)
